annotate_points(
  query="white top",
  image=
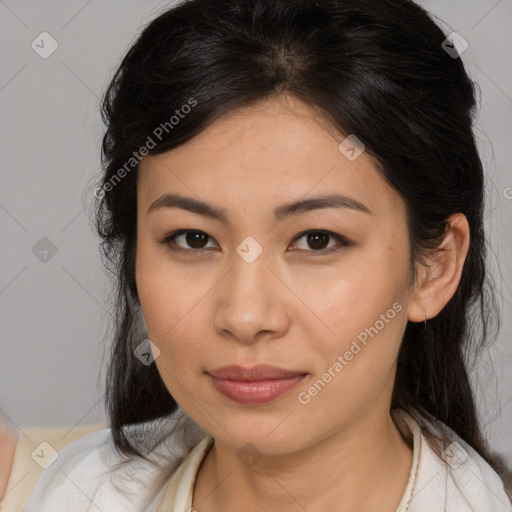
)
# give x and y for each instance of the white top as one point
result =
(84, 477)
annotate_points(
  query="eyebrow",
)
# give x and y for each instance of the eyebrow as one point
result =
(280, 212)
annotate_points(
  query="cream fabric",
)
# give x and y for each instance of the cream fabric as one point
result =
(178, 495)
(26, 471)
(431, 487)
(84, 477)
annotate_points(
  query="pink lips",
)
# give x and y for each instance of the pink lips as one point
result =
(255, 385)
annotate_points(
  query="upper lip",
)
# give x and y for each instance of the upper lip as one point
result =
(258, 372)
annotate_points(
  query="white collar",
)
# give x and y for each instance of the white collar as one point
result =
(86, 474)
(463, 482)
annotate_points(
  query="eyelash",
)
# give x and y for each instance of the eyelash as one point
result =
(342, 241)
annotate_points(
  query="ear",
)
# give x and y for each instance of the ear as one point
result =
(437, 282)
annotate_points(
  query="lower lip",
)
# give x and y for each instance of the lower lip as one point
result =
(255, 392)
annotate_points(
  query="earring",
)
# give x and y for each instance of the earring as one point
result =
(425, 315)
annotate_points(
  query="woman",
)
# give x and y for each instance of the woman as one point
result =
(292, 203)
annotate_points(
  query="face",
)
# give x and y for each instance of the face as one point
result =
(321, 292)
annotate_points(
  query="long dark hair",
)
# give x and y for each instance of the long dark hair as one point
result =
(374, 68)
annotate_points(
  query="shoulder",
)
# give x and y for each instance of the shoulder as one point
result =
(64, 484)
(89, 474)
(454, 475)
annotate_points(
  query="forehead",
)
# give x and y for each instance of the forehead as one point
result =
(275, 151)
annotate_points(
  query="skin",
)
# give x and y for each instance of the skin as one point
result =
(8, 442)
(292, 307)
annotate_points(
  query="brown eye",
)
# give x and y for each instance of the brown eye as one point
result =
(196, 239)
(189, 240)
(318, 242)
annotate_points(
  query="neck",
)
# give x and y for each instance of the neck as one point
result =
(365, 467)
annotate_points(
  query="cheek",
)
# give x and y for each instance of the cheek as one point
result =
(352, 297)
(171, 313)
(170, 300)
(174, 326)
(370, 320)
(356, 363)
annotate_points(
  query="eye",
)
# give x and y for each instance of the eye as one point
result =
(197, 241)
(318, 240)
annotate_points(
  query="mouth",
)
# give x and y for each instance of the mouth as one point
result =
(256, 385)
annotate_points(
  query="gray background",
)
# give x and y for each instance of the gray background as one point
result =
(54, 315)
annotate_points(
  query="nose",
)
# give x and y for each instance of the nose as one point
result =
(252, 302)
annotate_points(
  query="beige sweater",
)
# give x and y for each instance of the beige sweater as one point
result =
(84, 477)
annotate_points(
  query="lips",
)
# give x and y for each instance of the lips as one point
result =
(256, 373)
(256, 385)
